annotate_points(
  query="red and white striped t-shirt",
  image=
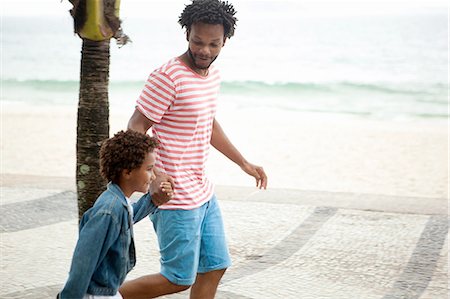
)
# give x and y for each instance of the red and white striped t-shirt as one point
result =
(182, 104)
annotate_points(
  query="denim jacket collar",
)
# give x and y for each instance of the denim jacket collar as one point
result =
(114, 188)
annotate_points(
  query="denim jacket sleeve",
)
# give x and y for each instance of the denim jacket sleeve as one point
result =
(143, 207)
(98, 233)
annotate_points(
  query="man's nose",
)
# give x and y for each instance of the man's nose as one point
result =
(204, 51)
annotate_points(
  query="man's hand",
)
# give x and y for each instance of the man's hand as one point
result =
(221, 142)
(161, 189)
(257, 172)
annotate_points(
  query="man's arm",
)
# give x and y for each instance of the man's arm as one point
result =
(221, 142)
(138, 122)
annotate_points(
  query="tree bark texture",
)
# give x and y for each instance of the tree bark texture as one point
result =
(92, 122)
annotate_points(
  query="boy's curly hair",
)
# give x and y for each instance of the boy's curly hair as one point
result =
(126, 150)
(209, 12)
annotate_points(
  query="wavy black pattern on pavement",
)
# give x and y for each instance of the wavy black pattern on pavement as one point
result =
(38, 212)
(420, 268)
(287, 247)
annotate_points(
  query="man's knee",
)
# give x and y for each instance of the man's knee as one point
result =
(219, 272)
(214, 275)
(222, 270)
(179, 288)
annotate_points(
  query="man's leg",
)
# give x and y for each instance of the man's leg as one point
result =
(206, 284)
(178, 234)
(149, 286)
(214, 256)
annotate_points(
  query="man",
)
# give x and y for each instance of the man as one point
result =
(179, 103)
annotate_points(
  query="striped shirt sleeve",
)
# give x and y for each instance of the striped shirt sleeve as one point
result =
(157, 96)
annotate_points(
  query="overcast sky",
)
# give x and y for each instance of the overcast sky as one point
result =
(130, 8)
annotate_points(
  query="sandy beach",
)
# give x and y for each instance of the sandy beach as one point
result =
(305, 151)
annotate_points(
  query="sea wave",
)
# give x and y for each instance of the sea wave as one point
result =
(260, 87)
(48, 85)
(376, 100)
(336, 87)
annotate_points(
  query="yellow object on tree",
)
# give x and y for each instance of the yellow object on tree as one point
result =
(96, 27)
(98, 20)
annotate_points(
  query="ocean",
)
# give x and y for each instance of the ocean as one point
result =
(383, 66)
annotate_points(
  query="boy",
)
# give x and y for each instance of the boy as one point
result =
(105, 250)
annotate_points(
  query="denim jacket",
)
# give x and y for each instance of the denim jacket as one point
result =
(105, 250)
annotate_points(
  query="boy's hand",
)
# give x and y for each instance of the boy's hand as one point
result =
(166, 188)
(161, 189)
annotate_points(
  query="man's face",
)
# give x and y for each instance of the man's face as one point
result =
(205, 43)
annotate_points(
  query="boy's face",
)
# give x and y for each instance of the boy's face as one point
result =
(141, 178)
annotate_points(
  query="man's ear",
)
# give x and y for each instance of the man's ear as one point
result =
(187, 35)
(224, 40)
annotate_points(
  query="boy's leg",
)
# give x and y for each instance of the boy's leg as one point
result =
(214, 256)
(149, 286)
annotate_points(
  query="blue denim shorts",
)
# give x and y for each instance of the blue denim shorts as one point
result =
(191, 242)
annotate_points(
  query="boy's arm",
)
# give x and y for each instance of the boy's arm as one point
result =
(146, 204)
(143, 207)
(221, 142)
(98, 232)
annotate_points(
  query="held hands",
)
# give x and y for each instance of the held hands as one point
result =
(257, 172)
(161, 189)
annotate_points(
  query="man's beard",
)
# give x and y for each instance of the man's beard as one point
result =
(199, 66)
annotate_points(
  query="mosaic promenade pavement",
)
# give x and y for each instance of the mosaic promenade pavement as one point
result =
(284, 243)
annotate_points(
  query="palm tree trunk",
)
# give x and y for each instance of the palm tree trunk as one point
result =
(93, 121)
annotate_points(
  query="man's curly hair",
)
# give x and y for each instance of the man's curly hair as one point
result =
(126, 150)
(209, 12)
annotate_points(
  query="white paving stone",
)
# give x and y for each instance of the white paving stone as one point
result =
(354, 255)
(37, 257)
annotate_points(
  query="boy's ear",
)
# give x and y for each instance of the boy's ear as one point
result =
(126, 173)
(187, 35)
